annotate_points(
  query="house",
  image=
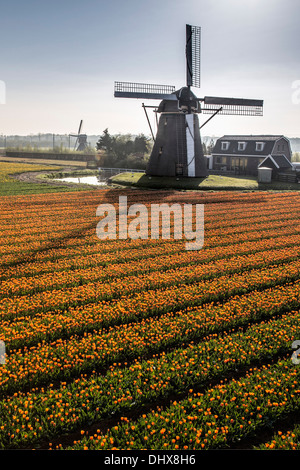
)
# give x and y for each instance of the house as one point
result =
(282, 168)
(242, 154)
(278, 163)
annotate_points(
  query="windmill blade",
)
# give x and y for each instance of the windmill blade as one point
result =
(144, 90)
(193, 43)
(232, 101)
(80, 125)
(238, 106)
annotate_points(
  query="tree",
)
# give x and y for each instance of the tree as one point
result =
(141, 144)
(296, 157)
(105, 142)
(210, 146)
(123, 150)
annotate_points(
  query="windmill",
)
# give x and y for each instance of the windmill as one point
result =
(81, 139)
(177, 149)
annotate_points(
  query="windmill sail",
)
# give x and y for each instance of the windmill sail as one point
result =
(143, 90)
(237, 106)
(193, 40)
(80, 126)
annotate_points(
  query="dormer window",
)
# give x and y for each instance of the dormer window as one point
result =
(241, 146)
(224, 145)
(259, 146)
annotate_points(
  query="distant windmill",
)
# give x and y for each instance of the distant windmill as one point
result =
(81, 139)
(177, 146)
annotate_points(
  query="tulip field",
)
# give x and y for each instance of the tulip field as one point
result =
(140, 343)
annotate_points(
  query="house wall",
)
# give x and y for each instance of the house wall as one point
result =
(228, 163)
(282, 147)
(253, 163)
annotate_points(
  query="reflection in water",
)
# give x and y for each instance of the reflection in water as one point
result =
(83, 180)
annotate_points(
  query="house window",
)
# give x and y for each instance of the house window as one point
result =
(241, 146)
(238, 164)
(224, 145)
(259, 146)
(222, 160)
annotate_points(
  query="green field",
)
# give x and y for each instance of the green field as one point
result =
(212, 182)
(10, 185)
(43, 183)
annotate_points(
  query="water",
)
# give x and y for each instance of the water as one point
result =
(83, 180)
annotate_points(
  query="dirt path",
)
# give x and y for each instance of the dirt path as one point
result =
(35, 177)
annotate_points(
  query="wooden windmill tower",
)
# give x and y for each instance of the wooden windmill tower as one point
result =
(177, 149)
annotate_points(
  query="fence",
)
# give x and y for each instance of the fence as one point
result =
(105, 173)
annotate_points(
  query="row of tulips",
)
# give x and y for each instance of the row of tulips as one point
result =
(175, 264)
(177, 285)
(42, 413)
(138, 296)
(49, 228)
(59, 254)
(55, 228)
(283, 440)
(54, 359)
(217, 418)
(169, 252)
(100, 328)
(71, 203)
(39, 235)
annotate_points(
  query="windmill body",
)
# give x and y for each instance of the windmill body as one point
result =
(177, 149)
(81, 139)
(82, 142)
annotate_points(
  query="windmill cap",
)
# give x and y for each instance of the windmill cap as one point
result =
(185, 94)
(185, 98)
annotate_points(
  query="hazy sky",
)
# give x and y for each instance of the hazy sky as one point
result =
(60, 58)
